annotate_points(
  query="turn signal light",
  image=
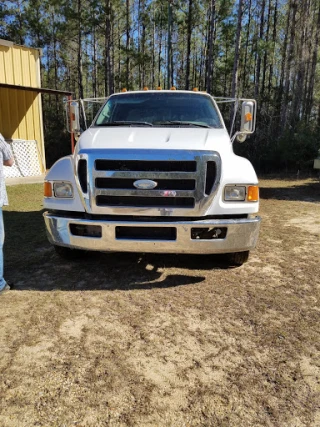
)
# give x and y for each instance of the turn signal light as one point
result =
(248, 117)
(253, 193)
(47, 189)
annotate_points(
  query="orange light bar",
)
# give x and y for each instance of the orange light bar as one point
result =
(124, 90)
(146, 88)
(195, 89)
(159, 88)
(173, 88)
(253, 193)
(47, 190)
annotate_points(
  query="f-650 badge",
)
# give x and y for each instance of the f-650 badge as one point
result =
(145, 184)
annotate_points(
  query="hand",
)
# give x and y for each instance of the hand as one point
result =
(8, 162)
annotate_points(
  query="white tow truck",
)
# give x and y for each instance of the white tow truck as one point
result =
(155, 172)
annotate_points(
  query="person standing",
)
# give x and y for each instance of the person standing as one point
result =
(6, 159)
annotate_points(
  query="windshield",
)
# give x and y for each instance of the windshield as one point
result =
(159, 109)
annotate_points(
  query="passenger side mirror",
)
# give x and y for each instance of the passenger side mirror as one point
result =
(248, 117)
(74, 117)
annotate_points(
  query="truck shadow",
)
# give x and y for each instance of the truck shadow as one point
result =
(31, 263)
(114, 271)
(309, 192)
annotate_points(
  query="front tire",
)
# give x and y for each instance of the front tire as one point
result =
(238, 258)
(68, 253)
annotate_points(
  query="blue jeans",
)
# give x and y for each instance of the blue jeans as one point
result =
(2, 281)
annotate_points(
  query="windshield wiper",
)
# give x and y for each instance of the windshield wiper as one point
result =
(126, 123)
(181, 123)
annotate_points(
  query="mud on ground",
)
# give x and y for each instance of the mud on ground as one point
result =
(162, 340)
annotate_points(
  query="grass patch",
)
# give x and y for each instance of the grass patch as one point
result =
(24, 225)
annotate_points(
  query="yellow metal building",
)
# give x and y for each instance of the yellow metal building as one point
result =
(20, 110)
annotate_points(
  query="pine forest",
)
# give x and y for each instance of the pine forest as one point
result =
(262, 49)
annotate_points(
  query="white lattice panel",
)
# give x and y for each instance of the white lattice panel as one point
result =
(26, 159)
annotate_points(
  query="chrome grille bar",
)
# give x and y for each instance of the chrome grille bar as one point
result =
(145, 175)
(143, 193)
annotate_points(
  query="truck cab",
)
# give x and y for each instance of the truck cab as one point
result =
(155, 172)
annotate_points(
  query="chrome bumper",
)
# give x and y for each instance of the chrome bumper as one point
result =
(242, 235)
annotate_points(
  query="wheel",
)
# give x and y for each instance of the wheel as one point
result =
(238, 258)
(67, 253)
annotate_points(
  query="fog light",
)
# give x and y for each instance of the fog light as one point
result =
(205, 233)
(85, 230)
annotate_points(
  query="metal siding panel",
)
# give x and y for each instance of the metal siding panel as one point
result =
(37, 130)
(21, 111)
(17, 68)
(36, 119)
(29, 96)
(14, 113)
(25, 64)
(3, 50)
(8, 70)
(5, 113)
(33, 68)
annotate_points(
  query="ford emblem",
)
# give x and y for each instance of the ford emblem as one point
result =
(145, 184)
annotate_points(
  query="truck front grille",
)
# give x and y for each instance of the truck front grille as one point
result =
(184, 181)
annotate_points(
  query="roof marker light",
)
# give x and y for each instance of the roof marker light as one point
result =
(195, 89)
(124, 90)
(173, 88)
(159, 88)
(146, 88)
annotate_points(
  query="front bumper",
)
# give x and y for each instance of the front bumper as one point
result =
(241, 235)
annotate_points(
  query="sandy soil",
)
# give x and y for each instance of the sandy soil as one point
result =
(150, 340)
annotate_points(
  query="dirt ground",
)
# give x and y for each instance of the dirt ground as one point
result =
(162, 340)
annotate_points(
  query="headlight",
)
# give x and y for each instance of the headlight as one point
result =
(63, 190)
(234, 193)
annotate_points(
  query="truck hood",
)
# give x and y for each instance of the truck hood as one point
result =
(155, 139)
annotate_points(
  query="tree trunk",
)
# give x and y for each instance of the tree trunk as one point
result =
(108, 75)
(284, 106)
(257, 82)
(234, 87)
(210, 59)
(274, 40)
(244, 76)
(264, 69)
(128, 40)
(310, 97)
(80, 76)
(187, 87)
